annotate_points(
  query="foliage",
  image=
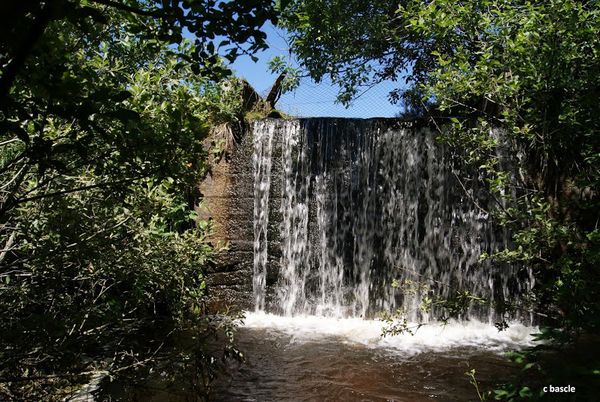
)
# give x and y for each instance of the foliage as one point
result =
(104, 110)
(291, 79)
(346, 40)
(511, 77)
(456, 306)
(474, 383)
(226, 28)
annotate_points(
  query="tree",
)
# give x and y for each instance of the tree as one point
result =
(35, 80)
(104, 113)
(526, 69)
(230, 27)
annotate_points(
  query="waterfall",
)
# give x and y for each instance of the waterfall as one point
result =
(261, 161)
(362, 205)
(294, 225)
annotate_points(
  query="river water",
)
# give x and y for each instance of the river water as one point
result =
(310, 358)
(320, 359)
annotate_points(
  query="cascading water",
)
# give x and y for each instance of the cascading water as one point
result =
(294, 225)
(263, 143)
(364, 204)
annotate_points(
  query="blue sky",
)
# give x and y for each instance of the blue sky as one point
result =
(310, 99)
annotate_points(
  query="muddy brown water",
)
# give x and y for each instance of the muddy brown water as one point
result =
(319, 359)
(279, 368)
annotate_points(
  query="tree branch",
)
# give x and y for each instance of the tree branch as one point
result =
(14, 66)
(77, 189)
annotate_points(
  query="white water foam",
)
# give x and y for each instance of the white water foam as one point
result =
(434, 337)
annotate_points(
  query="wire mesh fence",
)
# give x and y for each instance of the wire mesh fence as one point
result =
(312, 99)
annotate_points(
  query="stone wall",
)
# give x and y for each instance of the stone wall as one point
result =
(228, 203)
